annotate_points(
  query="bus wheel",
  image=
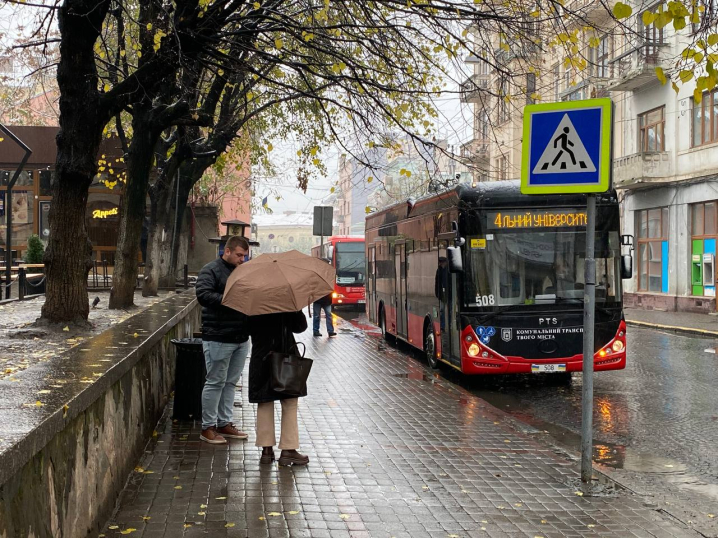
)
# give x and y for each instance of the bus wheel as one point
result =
(430, 347)
(382, 325)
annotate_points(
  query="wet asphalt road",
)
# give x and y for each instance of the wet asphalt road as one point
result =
(658, 417)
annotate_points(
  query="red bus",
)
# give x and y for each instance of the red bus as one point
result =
(489, 281)
(346, 253)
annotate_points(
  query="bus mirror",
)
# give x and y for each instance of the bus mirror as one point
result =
(626, 266)
(453, 255)
(330, 253)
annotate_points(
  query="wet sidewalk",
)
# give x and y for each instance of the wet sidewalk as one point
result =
(681, 322)
(395, 452)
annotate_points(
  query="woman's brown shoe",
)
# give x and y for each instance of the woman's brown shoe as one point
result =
(267, 455)
(292, 457)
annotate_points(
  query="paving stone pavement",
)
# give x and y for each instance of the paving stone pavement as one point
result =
(395, 452)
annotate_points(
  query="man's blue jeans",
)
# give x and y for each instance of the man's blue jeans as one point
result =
(225, 362)
(317, 308)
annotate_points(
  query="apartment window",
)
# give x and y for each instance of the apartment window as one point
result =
(530, 88)
(556, 82)
(652, 226)
(484, 125)
(503, 105)
(567, 78)
(704, 122)
(651, 125)
(600, 58)
(502, 168)
(575, 95)
(651, 34)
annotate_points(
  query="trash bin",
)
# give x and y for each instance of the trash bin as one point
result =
(190, 373)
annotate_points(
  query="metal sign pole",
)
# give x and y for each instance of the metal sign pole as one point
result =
(589, 308)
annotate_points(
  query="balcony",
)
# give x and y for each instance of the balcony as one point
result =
(474, 89)
(590, 11)
(475, 151)
(647, 167)
(636, 67)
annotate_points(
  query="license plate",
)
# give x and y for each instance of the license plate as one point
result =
(547, 368)
(361, 301)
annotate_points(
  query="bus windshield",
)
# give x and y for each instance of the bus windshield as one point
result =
(349, 263)
(529, 267)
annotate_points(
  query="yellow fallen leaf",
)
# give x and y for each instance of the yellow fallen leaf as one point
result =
(203, 506)
(261, 518)
(64, 410)
(274, 514)
(39, 404)
(543, 521)
(187, 525)
(139, 469)
(293, 512)
(178, 487)
(113, 527)
(149, 472)
(229, 525)
(590, 525)
(44, 391)
(128, 531)
(424, 487)
(135, 335)
(154, 433)
(176, 477)
(344, 516)
(518, 504)
(201, 513)
(711, 515)
(146, 518)
(219, 498)
(579, 493)
(66, 329)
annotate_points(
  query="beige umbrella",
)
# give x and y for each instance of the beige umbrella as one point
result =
(272, 283)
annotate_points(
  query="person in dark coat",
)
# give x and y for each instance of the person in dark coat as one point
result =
(225, 342)
(269, 333)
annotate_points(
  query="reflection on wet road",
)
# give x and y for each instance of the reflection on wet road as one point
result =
(658, 417)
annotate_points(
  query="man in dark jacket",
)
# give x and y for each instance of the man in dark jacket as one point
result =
(325, 303)
(225, 337)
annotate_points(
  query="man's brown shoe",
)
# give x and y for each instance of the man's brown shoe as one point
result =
(211, 436)
(231, 432)
(292, 457)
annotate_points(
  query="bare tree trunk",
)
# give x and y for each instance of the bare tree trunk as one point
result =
(68, 254)
(159, 237)
(139, 164)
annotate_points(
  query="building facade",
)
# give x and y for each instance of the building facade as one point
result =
(665, 165)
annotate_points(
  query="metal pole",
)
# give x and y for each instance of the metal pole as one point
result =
(185, 275)
(21, 279)
(589, 307)
(8, 205)
(172, 272)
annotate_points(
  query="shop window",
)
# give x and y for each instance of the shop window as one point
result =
(46, 180)
(24, 180)
(103, 219)
(704, 119)
(651, 126)
(652, 226)
(704, 233)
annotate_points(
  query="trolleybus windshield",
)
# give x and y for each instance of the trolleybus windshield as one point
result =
(350, 263)
(541, 267)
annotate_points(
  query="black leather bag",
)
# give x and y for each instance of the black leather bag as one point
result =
(289, 373)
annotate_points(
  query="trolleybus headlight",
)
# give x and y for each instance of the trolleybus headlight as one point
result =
(602, 353)
(617, 346)
(335, 295)
(474, 350)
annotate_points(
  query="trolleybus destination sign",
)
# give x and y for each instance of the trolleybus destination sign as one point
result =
(567, 147)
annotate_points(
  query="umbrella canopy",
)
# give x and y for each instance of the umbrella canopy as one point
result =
(273, 283)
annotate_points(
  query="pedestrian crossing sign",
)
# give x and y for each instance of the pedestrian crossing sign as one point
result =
(567, 147)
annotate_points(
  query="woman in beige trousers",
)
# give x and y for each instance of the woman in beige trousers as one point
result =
(270, 333)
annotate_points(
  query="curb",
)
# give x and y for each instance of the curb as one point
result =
(671, 328)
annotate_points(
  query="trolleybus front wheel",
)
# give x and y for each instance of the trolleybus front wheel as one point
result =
(430, 346)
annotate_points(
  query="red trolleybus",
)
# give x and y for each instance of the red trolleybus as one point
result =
(346, 253)
(513, 301)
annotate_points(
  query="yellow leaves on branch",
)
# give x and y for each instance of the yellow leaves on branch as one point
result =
(622, 11)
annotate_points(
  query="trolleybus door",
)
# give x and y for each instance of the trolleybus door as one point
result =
(448, 311)
(400, 287)
(371, 284)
